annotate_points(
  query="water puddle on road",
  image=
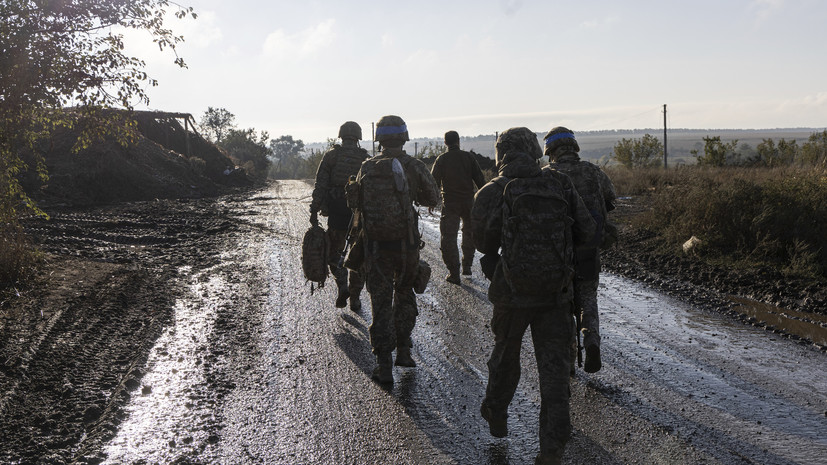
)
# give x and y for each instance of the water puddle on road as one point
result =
(809, 326)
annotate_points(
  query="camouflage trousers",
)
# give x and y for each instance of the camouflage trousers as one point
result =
(585, 301)
(551, 332)
(449, 222)
(389, 279)
(344, 277)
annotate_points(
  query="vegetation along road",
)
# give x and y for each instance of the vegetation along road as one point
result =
(184, 332)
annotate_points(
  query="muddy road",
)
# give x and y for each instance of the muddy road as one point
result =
(243, 365)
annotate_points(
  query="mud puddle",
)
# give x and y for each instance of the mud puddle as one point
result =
(809, 326)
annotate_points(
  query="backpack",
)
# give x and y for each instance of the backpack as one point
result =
(587, 182)
(385, 200)
(315, 254)
(537, 250)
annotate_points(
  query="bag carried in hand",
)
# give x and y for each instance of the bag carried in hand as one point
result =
(315, 255)
(423, 275)
(537, 249)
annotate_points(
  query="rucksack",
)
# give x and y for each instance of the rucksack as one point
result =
(585, 179)
(537, 250)
(315, 255)
(385, 200)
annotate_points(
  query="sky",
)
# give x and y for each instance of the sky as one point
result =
(302, 68)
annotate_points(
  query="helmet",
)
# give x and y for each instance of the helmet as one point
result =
(518, 140)
(560, 137)
(350, 130)
(391, 128)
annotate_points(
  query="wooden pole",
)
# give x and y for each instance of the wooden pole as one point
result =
(664, 136)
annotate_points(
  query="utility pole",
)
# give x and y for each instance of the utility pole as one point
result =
(416, 148)
(372, 139)
(664, 136)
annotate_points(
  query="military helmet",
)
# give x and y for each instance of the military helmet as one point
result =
(560, 137)
(350, 130)
(391, 127)
(518, 140)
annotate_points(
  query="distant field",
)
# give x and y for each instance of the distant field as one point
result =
(597, 145)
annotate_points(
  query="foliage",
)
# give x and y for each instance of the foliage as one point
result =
(248, 150)
(753, 216)
(216, 123)
(639, 153)
(772, 155)
(287, 151)
(70, 53)
(814, 151)
(717, 153)
(431, 151)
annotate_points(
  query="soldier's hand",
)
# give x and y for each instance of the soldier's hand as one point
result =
(430, 210)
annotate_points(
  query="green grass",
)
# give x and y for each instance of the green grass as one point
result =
(744, 216)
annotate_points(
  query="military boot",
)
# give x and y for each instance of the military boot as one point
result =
(466, 270)
(592, 363)
(497, 423)
(553, 458)
(383, 373)
(355, 304)
(403, 357)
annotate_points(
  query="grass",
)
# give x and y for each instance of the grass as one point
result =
(743, 216)
(17, 255)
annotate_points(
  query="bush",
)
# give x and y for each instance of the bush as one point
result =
(17, 256)
(773, 217)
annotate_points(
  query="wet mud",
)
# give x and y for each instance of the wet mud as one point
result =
(183, 332)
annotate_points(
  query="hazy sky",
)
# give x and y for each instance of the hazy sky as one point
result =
(305, 67)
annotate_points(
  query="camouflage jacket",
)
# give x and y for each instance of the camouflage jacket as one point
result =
(421, 184)
(336, 167)
(457, 172)
(486, 223)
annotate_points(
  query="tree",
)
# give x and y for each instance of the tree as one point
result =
(717, 153)
(639, 153)
(69, 53)
(216, 123)
(286, 151)
(772, 155)
(814, 151)
(248, 150)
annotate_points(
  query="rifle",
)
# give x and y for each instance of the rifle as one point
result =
(352, 232)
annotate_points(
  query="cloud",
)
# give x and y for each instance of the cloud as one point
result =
(598, 23)
(765, 9)
(304, 43)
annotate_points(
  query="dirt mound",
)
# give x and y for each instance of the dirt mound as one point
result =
(165, 161)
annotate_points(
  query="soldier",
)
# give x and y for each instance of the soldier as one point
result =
(337, 166)
(388, 186)
(457, 172)
(526, 222)
(598, 193)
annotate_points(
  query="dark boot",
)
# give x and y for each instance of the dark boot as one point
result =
(383, 373)
(355, 304)
(341, 300)
(453, 278)
(592, 363)
(553, 458)
(403, 357)
(497, 424)
(466, 270)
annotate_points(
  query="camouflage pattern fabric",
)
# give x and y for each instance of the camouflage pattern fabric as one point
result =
(598, 193)
(344, 277)
(486, 221)
(390, 266)
(551, 333)
(389, 281)
(335, 169)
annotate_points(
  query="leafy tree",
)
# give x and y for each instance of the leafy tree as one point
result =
(69, 53)
(772, 155)
(432, 150)
(717, 153)
(814, 151)
(287, 150)
(216, 123)
(639, 153)
(248, 150)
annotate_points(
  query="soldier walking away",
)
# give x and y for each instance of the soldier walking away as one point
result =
(457, 173)
(527, 222)
(388, 186)
(337, 166)
(598, 193)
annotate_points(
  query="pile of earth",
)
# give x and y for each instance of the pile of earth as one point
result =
(163, 161)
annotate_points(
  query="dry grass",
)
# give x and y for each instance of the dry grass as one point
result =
(17, 256)
(744, 216)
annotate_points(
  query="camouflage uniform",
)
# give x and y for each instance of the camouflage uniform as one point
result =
(598, 193)
(457, 172)
(336, 167)
(390, 266)
(548, 315)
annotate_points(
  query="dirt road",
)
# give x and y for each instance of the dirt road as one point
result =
(213, 350)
